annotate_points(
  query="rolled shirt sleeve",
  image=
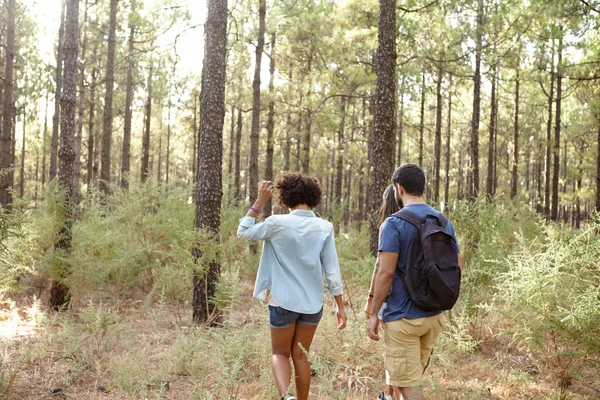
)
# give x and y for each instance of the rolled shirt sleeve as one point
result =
(331, 266)
(249, 230)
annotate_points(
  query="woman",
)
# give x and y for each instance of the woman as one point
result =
(298, 249)
(388, 207)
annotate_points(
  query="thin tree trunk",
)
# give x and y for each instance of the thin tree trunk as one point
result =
(288, 127)
(438, 136)
(209, 193)
(400, 126)
(45, 140)
(22, 175)
(474, 187)
(145, 172)
(196, 142)
(255, 129)
(448, 137)
(598, 166)
(231, 143)
(270, 124)
(159, 167)
(108, 99)
(556, 162)
(7, 109)
(80, 110)
(337, 195)
(306, 133)
(91, 123)
(238, 141)
(548, 160)
(57, 94)
(515, 163)
(59, 293)
(385, 104)
(459, 188)
(422, 123)
(491, 150)
(126, 149)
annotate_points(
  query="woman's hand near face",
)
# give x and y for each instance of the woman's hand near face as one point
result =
(265, 190)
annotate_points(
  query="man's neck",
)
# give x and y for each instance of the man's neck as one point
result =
(409, 200)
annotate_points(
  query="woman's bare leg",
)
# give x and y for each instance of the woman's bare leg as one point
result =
(281, 346)
(302, 340)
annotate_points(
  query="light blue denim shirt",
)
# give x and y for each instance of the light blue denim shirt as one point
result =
(298, 250)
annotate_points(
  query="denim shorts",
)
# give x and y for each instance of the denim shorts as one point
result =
(280, 318)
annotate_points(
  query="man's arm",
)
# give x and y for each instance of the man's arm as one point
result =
(383, 282)
(460, 262)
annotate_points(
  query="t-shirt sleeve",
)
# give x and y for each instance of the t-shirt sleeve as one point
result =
(389, 238)
(450, 229)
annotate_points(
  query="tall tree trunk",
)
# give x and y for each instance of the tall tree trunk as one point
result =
(22, 175)
(337, 194)
(159, 163)
(45, 140)
(236, 174)
(270, 124)
(459, 186)
(196, 142)
(385, 104)
(108, 99)
(288, 127)
(7, 108)
(556, 162)
(400, 126)
(448, 137)
(422, 123)
(212, 114)
(255, 130)
(126, 149)
(80, 110)
(515, 163)
(145, 171)
(306, 133)
(598, 166)
(59, 293)
(549, 139)
(231, 143)
(489, 189)
(57, 94)
(91, 123)
(438, 136)
(474, 187)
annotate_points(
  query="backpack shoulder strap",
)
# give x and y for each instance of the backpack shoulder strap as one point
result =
(409, 217)
(442, 219)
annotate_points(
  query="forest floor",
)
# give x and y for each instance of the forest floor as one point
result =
(142, 349)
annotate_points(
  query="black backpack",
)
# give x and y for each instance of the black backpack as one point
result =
(431, 275)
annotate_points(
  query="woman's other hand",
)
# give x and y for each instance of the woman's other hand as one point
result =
(265, 190)
(341, 318)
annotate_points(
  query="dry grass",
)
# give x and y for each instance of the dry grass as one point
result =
(135, 348)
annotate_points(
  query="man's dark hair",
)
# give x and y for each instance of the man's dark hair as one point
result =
(295, 188)
(411, 178)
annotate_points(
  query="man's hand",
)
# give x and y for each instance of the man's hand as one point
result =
(341, 318)
(368, 307)
(373, 327)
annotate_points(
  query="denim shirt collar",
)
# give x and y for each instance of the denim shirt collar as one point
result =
(303, 213)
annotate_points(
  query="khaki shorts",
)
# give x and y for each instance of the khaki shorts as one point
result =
(408, 346)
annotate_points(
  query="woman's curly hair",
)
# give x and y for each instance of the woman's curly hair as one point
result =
(295, 188)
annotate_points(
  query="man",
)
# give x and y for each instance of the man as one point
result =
(410, 332)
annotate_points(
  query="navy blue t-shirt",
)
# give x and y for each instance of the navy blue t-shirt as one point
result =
(395, 237)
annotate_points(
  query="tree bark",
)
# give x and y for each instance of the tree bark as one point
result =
(59, 293)
(45, 140)
(80, 109)
(238, 141)
(231, 143)
(22, 175)
(108, 99)
(549, 139)
(57, 94)
(145, 171)
(255, 130)
(337, 195)
(91, 123)
(489, 189)
(474, 187)
(515, 163)
(400, 126)
(385, 103)
(126, 148)
(270, 124)
(556, 162)
(7, 109)
(209, 193)
(422, 123)
(438, 135)
(448, 137)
